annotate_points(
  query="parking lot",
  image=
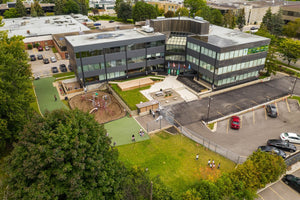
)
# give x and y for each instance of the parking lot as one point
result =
(256, 128)
(44, 70)
(279, 191)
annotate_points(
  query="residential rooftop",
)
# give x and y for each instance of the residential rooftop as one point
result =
(107, 37)
(39, 26)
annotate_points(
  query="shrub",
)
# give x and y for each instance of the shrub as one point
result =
(29, 46)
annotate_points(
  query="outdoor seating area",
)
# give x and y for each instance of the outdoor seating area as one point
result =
(167, 97)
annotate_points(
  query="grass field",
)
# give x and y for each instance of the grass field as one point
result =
(131, 97)
(122, 129)
(172, 157)
(45, 94)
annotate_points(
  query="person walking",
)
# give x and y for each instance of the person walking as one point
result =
(133, 138)
(208, 163)
(219, 166)
(55, 98)
(197, 156)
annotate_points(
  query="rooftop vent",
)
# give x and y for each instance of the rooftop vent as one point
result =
(147, 29)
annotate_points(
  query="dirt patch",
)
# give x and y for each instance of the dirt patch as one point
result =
(101, 104)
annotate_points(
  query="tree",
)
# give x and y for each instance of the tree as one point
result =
(117, 5)
(229, 19)
(125, 11)
(169, 14)
(290, 50)
(59, 7)
(194, 5)
(292, 29)
(71, 6)
(20, 8)
(273, 22)
(15, 86)
(38, 9)
(1, 23)
(83, 6)
(142, 11)
(267, 20)
(204, 12)
(10, 13)
(241, 19)
(65, 155)
(216, 17)
(183, 11)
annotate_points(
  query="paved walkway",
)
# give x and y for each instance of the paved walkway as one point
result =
(167, 83)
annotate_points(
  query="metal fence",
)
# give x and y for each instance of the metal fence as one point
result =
(292, 160)
(203, 141)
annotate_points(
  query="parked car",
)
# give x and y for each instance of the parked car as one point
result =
(254, 28)
(292, 181)
(111, 21)
(54, 70)
(53, 59)
(281, 144)
(63, 68)
(32, 57)
(235, 122)
(40, 57)
(271, 110)
(272, 149)
(70, 68)
(291, 137)
(46, 61)
(40, 48)
(47, 48)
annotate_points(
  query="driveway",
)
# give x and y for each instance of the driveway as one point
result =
(44, 70)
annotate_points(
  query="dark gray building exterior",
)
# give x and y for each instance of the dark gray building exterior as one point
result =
(111, 55)
(219, 56)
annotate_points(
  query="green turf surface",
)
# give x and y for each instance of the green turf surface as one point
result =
(45, 94)
(172, 157)
(131, 97)
(122, 129)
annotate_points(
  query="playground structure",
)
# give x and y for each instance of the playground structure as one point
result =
(101, 104)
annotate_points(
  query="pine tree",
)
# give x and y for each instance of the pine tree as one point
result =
(20, 8)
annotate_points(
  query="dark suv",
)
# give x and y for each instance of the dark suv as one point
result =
(63, 68)
(282, 144)
(272, 149)
(32, 57)
(292, 181)
(46, 61)
(271, 110)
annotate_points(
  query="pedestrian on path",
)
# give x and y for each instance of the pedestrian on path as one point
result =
(219, 166)
(55, 98)
(208, 162)
(197, 156)
(133, 138)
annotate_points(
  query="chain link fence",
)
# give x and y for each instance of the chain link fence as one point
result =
(203, 141)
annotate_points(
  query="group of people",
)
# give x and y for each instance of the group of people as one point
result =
(141, 133)
(212, 164)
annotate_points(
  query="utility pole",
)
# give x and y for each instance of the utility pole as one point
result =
(294, 83)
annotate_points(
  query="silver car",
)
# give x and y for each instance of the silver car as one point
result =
(53, 59)
(291, 137)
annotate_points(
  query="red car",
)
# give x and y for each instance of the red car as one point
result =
(40, 48)
(235, 122)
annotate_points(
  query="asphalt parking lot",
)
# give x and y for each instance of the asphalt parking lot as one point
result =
(279, 191)
(231, 102)
(256, 128)
(43, 70)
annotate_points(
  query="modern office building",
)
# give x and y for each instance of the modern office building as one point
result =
(110, 55)
(219, 56)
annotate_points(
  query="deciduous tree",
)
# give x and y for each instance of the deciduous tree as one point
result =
(194, 5)
(169, 14)
(229, 19)
(20, 8)
(183, 11)
(38, 9)
(142, 11)
(10, 13)
(15, 85)
(71, 6)
(125, 11)
(241, 19)
(290, 50)
(292, 29)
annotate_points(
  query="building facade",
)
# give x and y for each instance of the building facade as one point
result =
(112, 55)
(219, 56)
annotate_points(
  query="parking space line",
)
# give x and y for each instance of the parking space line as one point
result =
(253, 116)
(287, 105)
(227, 125)
(220, 114)
(265, 113)
(277, 108)
(260, 197)
(288, 187)
(276, 193)
(238, 107)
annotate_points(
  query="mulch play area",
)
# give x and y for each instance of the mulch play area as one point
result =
(102, 104)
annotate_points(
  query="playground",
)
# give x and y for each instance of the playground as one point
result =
(102, 104)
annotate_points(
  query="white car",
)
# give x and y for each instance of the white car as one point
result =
(291, 137)
(53, 59)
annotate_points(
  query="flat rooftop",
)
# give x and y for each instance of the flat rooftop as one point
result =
(225, 37)
(39, 26)
(107, 37)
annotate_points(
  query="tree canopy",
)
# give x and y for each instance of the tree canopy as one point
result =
(194, 5)
(142, 11)
(11, 13)
(125, 11)
(273, 22)
(290, 50)
(15, 85)
(183, 11)
(292, 29)
(20, 8)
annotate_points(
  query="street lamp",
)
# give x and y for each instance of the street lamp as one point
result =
(208, 107)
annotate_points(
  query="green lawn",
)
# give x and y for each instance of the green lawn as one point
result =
(172, 157)
(295, 97)
(131, 97)
(45, 94)
(122, 129)
(34, 104)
